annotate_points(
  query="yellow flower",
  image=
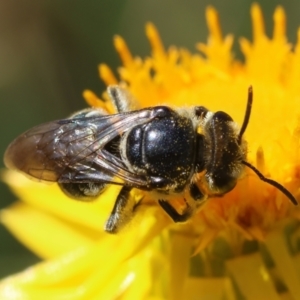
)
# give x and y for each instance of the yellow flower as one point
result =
(245, 244)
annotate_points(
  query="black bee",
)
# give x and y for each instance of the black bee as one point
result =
(188, 151)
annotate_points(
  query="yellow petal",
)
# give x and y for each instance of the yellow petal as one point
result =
(50, 198)
(45, 235)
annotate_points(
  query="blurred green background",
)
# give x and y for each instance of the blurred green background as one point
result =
(50, 50)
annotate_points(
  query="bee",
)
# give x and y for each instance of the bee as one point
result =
(183, 151)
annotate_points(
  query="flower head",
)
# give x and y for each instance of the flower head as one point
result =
(244, 244)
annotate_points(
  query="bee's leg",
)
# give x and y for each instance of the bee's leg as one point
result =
(122, 211)
(191, 206)
(175, 216)
(195, 193)
(197, 197)
(122, 100)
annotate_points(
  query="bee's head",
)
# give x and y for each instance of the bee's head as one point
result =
(224, 150)
(225, 153)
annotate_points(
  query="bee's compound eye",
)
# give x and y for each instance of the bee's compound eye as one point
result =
(86, 191)
(221, 116)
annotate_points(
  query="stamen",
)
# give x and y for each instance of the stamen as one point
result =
(107, 75)
(279, 18)
(123, 50)
(154, 39)
(92, 99)
(245, 46)
(258, 25)
(260, 159)
(297, 47)
(213, 24)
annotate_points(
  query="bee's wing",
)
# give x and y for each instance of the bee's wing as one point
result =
(72, 150)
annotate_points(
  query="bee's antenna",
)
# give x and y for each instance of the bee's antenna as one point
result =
(247, 114)
(258, 173)
(272, 182)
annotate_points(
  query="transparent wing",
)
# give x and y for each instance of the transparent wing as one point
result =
(72, 150)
